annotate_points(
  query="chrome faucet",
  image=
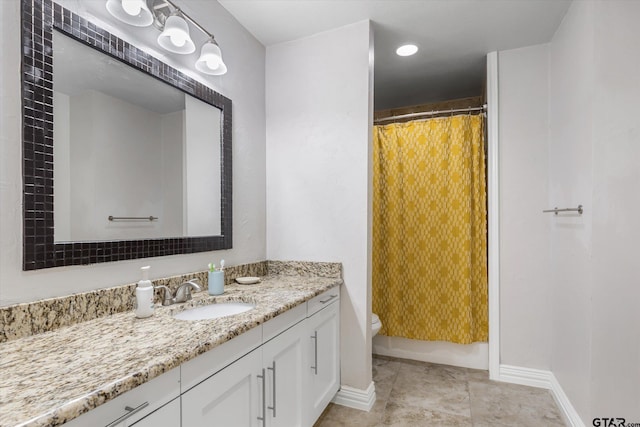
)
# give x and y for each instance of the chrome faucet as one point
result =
(184, 291)
(167, 298)
(182, 294)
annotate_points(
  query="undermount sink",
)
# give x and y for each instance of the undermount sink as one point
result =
(214, 311)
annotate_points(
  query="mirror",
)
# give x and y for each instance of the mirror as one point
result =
(110, 131)
(134, 158)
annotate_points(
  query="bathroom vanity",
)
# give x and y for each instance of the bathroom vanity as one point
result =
(274, 365)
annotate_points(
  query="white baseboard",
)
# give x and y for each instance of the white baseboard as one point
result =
(525, 376)
(356, 398)
(475, 356)
(542, 379)
(569, 412)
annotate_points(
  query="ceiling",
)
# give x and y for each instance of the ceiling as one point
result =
(453, 37)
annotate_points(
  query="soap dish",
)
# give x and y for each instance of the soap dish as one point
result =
(247, 280)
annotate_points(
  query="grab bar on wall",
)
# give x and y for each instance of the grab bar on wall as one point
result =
(556, 210)
(132, 218)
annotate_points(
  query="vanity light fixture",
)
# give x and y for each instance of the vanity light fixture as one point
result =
(175, 35)
(174, 26)
(407, 50)
(132, 12)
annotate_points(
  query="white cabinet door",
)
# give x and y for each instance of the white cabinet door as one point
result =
(167, 416)
(230, 398)
(285, 360)
(324, 368)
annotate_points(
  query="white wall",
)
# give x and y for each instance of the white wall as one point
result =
(62, 172)
(570, 173)
(244, 84)
(524, 229)
(592, 157)
(172, 171)
(318, 170)
(615, 341)
(202, 169)
(116, 158)
(595, 153)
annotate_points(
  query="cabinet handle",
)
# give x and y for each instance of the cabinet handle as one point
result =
(263, 418)
(328, 299)
(130, 411)
(314, 337)
(273, 408)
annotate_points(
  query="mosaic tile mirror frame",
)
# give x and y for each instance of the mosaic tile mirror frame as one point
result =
(40, 18)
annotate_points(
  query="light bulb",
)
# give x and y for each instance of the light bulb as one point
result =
(178, 39)
(213, 63)
(132, 12)
(132, 7)
(407, 50)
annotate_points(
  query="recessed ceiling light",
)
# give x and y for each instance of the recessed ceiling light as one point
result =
(407, 50)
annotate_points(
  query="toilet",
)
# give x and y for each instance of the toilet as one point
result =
(375, 325)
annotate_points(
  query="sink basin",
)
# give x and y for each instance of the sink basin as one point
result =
(214, 311)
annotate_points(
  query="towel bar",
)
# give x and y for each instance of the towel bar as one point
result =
(556, 210)
(132, 218)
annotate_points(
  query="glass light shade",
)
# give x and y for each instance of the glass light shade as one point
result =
(175, 36)
(132, 12)
(210, 60)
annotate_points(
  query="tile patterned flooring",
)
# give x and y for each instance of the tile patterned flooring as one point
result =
(411, 393)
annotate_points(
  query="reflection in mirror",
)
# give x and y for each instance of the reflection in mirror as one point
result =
(130, 146)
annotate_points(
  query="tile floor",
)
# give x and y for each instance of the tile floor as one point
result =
(411, 393)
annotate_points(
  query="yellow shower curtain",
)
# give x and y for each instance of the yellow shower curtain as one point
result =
(430, 229)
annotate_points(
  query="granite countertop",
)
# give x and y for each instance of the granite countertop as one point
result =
(56, 376)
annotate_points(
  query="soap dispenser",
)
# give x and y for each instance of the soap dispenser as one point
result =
(144, 295)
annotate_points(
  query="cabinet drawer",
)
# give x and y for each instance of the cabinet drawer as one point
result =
(283, 321)
(202, 367)
(167, 416)
(323, 300)
(155, 393)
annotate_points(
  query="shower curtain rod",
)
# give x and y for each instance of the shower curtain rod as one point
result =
(431, 113)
